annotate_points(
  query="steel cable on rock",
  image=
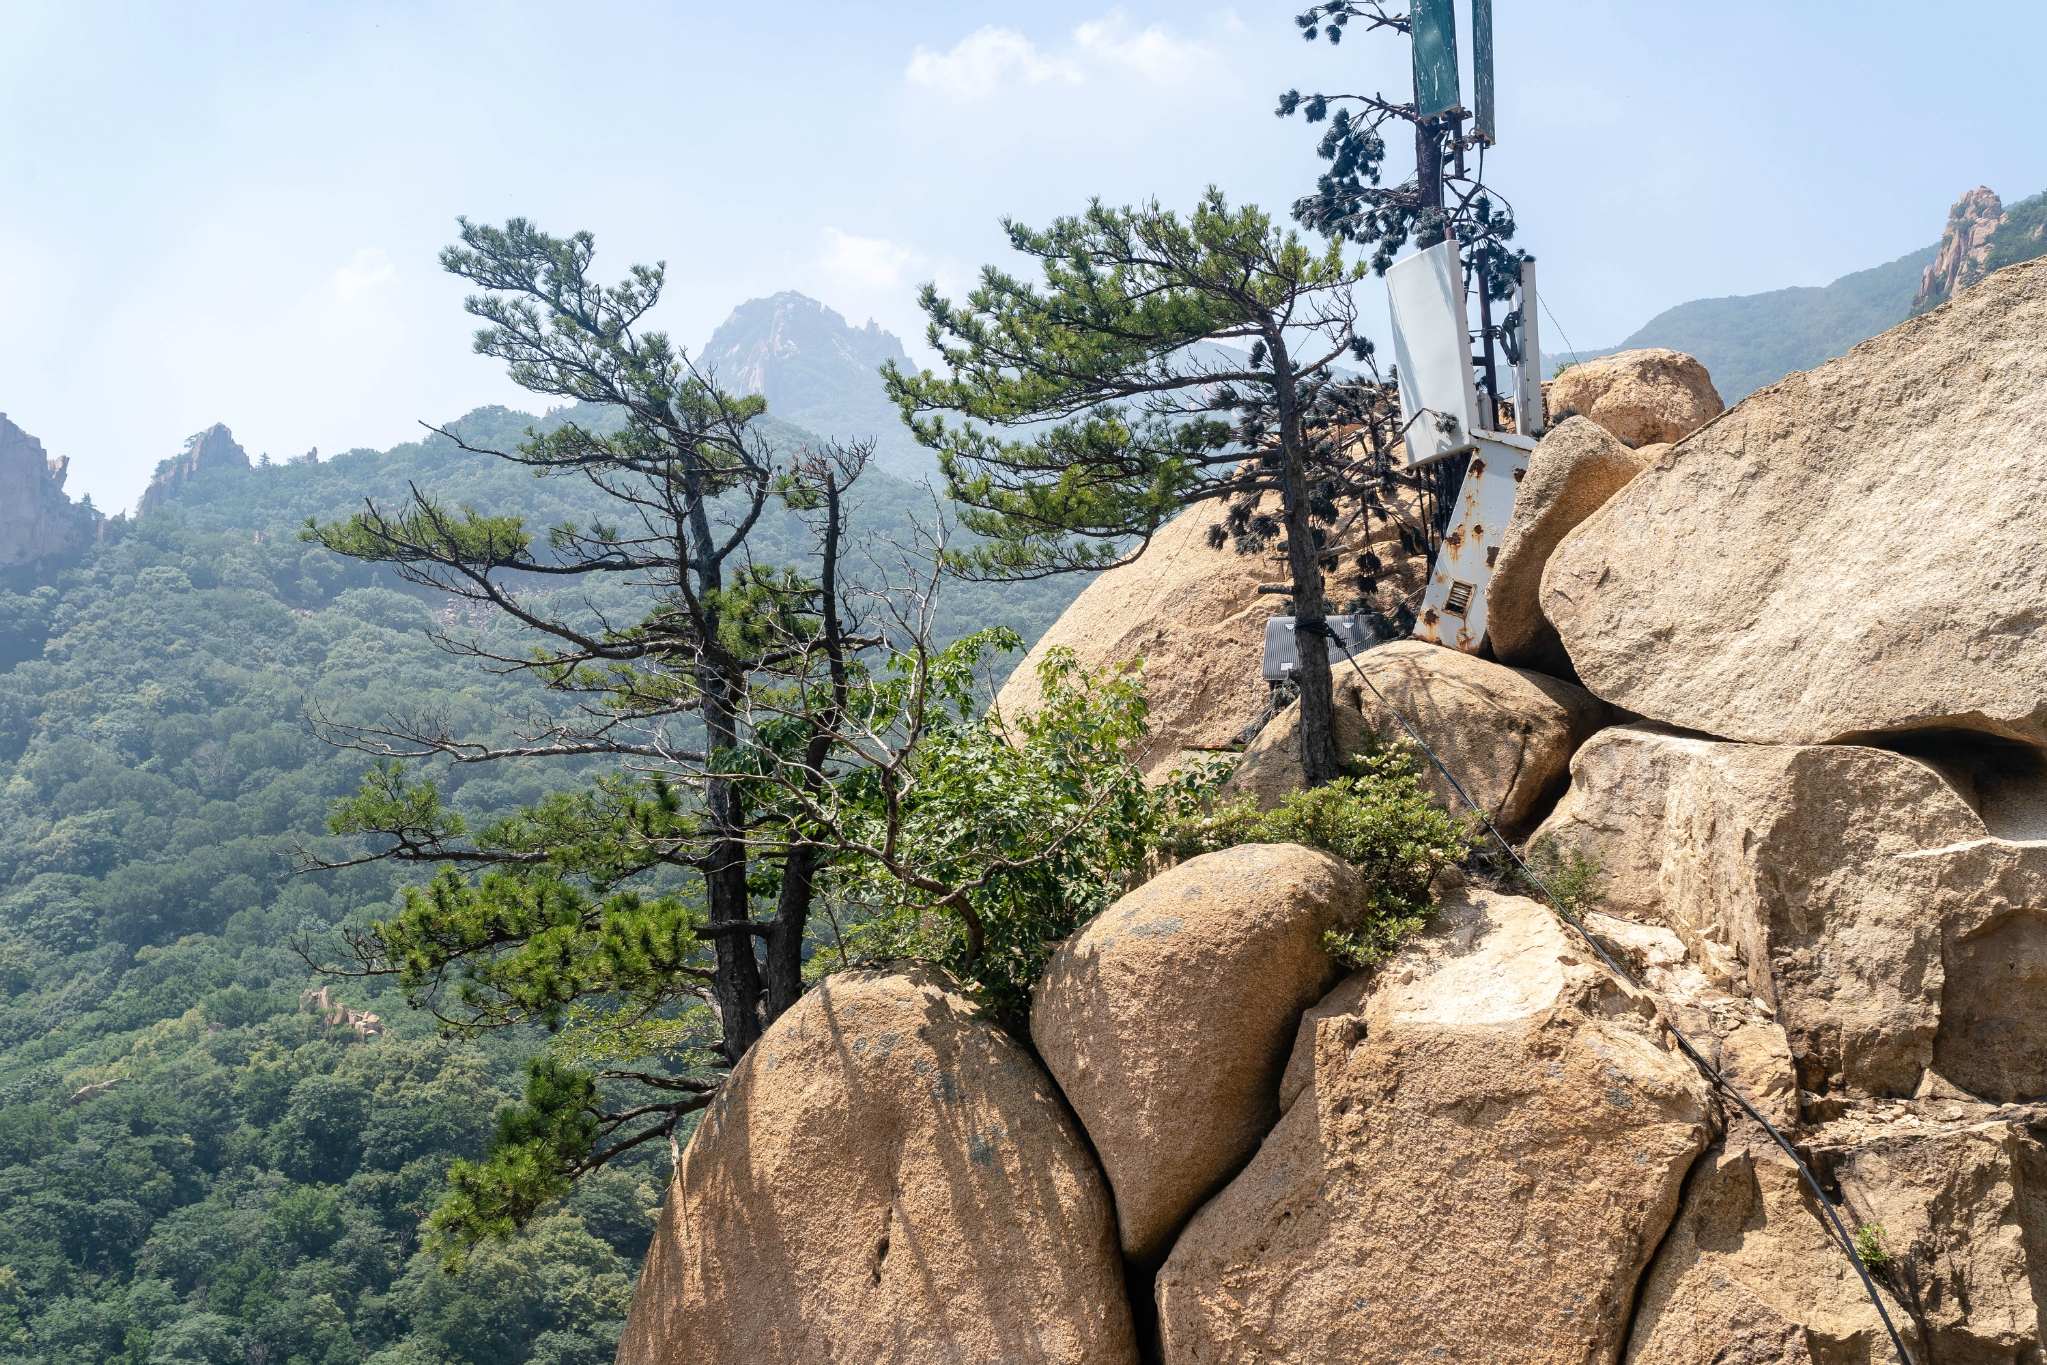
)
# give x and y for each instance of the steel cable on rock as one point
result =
(1846, 1243)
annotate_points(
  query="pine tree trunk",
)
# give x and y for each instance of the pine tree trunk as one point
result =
(736, 976)
(1321, 760)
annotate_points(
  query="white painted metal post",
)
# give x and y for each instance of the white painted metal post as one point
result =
(1453, 608)
(1528, 372)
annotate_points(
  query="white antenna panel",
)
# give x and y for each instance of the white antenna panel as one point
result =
(1432, 346)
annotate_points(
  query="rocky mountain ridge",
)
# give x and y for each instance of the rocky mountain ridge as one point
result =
(1964, 252)
(213, 448)
(1815, 777)
(1752, 340)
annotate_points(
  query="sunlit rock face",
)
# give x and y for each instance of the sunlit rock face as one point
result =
(36, 518)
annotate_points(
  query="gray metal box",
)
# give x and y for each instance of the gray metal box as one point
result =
(1281, 659)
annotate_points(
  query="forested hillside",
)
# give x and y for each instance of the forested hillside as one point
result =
(192, 1166)
(1747, 341)
(1756, 339)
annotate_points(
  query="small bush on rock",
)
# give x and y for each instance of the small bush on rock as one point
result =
(1378, 818)
(1571, 876)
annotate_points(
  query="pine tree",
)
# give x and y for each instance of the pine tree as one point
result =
(1078, 415)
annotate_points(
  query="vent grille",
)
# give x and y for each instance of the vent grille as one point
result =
(1459, 602)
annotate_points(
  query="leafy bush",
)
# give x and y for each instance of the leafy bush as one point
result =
(1379, 819)
(1040, 819)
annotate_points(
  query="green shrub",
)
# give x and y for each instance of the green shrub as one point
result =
(1040, 819)
(1379, 819)
(1571, 877)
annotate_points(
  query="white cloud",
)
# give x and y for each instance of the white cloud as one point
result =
(986, 60)
(870, 260)
(991, 59)
(1154, 52)
(368, 270)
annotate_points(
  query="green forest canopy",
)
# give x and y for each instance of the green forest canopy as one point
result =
(254, 1178)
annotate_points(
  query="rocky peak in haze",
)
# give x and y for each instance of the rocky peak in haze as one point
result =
(817, 371)
(1964, 248)
(213, 448)
(36, 517)
(755, 349)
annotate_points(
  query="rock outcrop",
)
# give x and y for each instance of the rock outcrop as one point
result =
(37, 519)
(1756, 583)
(1575, 468)
(1193, 614)
(1860, 894)
(1960, 1208)
(335, 1016)
(1615, 811)
(1643, 397)
(1506, 732)
(213, 448)
(1167, 1020)
(1481, 1166)
(887, 1177)
(1772, 852)
(1750, 1274)
(1964, 255)
(1823, 836)
(85, 1094)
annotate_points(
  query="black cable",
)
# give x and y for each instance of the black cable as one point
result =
(1713, 1072)
(1560, 332)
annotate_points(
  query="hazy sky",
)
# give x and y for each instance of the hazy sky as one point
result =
(229, 212)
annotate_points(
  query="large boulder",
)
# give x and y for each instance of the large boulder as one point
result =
(1864, 897)
(1271, 766)
(1750, 1274)
(886, 1177)
(1480, 1167)
(1963, 1213)
(1847, 879)
(1193, 613)
(1507, 733)
(1767, 580)
(1989, 897)
(1195, 617)
(1166, 1020)
(1574, 469)
(1613, 812)
(1644, 397)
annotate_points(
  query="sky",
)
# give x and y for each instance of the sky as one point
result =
(229, 212)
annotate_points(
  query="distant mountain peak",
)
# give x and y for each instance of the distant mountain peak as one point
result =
(752, 348)
(212, 448)
(1964, 256)
(816, 370)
